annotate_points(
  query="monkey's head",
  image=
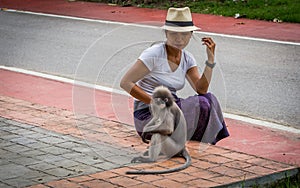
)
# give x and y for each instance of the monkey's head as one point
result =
(162, 97)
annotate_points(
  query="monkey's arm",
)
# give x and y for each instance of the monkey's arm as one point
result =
(165, 127)
(147, 129)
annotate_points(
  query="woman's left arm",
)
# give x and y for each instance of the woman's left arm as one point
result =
(201, 83)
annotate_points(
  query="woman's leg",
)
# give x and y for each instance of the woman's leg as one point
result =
(204, 118)
(141, 118)
(203, 115)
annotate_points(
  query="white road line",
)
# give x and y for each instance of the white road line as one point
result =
(65, 80)
(148, 26)
(107, 89)
(262, 123)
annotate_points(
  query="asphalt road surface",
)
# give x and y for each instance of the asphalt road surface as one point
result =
(259, 79)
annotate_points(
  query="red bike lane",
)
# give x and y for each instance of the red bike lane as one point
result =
(208, 23)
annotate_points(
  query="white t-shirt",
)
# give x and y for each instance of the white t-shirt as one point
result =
(155, 59)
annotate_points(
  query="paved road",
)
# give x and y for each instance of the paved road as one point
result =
(254, 78)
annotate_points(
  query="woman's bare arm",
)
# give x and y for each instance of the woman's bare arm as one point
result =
(201, 83)
(134, 74)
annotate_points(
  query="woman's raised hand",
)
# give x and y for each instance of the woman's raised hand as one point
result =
(210, 48)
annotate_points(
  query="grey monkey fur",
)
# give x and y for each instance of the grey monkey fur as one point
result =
(169, 132)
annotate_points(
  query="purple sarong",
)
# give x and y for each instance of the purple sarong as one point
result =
(204, 118)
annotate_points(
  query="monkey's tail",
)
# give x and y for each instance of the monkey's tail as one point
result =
(187, 163)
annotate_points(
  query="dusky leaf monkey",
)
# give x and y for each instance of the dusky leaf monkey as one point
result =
(169, 132)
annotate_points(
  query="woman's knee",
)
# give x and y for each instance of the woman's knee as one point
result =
(204, 103)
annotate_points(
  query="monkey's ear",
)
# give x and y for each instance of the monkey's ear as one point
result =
(168, 102)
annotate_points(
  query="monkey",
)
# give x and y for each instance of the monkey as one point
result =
(162, 121)
(169, 132)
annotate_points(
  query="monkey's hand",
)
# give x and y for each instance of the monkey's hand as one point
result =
(144, 138)
(145, 141)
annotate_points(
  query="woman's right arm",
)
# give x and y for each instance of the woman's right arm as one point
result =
(134, 74)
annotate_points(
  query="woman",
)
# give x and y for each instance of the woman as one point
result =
(168, 64)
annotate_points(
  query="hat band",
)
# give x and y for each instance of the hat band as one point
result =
(179, 23)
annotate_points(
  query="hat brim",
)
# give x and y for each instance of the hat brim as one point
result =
(180, 29)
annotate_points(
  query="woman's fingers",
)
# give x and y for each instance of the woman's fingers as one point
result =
(210, 44)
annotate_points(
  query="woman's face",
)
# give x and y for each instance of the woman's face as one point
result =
(178, 39)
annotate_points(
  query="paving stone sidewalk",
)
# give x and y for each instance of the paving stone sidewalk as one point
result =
(43, 146)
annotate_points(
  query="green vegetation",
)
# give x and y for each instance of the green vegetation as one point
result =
(285, 10)
(279, 10)
(288, 182)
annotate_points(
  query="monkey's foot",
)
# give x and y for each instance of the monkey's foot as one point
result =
(146, 154)
(141, 160)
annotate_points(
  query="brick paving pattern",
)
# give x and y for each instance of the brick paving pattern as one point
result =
(44, 146)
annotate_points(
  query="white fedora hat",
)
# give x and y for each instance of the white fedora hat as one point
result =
(179, 20)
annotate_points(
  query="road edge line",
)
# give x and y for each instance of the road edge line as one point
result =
(116, 91)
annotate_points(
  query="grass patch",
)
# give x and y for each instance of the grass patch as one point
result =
(283, 10)
(288, 182)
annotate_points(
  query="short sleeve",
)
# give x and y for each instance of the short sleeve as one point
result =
(191, 61)
(148, 57)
